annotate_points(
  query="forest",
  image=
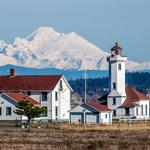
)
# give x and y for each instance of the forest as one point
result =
(138, 80)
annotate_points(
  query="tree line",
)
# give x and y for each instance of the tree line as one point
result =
(138, 80)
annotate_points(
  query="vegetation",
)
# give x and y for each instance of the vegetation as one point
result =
(81, 137)
(27, 109)
(138, 80)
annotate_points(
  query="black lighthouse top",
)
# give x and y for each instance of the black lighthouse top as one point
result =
(116, 50)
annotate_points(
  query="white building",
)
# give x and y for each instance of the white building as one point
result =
(50, 91)
(124, 101)
(8, 101)
(90, 113)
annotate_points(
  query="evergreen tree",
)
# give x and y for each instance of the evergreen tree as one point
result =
(27, 109)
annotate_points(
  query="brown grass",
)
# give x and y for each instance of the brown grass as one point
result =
(96, 127)
(77, 137)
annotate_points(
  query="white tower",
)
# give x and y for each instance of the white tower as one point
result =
(117, 93)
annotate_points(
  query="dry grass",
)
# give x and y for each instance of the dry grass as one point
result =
(97, 127)
(77, 137)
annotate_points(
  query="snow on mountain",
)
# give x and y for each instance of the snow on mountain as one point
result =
(46, 48)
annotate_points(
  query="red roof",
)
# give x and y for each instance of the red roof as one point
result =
(33, 82)
(116, 47)
(20, 96)
(128, 104)
(133, 94)
(98, 106)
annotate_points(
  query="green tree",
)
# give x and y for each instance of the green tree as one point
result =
(27, 109)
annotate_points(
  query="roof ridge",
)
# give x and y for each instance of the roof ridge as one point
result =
(103, 106)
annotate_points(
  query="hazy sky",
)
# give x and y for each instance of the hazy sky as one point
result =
(102, 22)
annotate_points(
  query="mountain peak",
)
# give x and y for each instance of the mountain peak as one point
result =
(43, 32)
(47, 48)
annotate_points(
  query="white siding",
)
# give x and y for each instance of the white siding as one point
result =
(3, 106)
(63, 102)
(106, 117)
(91, 119)
(38, 97)
(118, 76)
(144, 103)
(75, 118)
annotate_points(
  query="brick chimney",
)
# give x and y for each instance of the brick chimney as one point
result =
(12, 72)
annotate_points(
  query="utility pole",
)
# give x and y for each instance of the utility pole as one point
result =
(85, 85)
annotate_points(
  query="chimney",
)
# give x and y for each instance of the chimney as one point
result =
(12, 72)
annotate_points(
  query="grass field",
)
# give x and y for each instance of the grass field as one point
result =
(77, 137)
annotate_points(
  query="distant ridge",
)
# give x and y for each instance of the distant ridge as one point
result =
(69, 74)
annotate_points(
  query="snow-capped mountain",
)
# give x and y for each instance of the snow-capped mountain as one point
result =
(46, 48)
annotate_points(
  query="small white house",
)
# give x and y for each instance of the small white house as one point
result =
(8, 101)
(51, 91)
(90, 113)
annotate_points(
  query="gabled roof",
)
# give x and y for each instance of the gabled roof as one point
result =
(128, 104)
(132, 95)
(32, 82)
(98, 106)
(20, 96)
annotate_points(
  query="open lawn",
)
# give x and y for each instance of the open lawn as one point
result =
(77, 137)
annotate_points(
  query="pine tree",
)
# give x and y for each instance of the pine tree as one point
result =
(27, 109)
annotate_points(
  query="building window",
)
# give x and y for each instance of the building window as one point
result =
(127, 111)
(114, 112)
(119, 66)
(56, 96)
(137, 112)
(8, 111)
(114, 101)
(146, 110)
(45, 112)
(44, 96)
(56, 111)
(29, 93)
(61, 85)
(141, 109)
(0, 111)
(114, 85)
(106, 116)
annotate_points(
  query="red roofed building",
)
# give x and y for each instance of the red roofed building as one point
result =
(21, 96)
(91, 113)
(8, 101)
(49, 91)
(124, 101)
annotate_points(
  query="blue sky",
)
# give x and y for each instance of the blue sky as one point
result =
(102, 22)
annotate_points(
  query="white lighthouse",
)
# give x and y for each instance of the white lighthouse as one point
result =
(117, 94)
